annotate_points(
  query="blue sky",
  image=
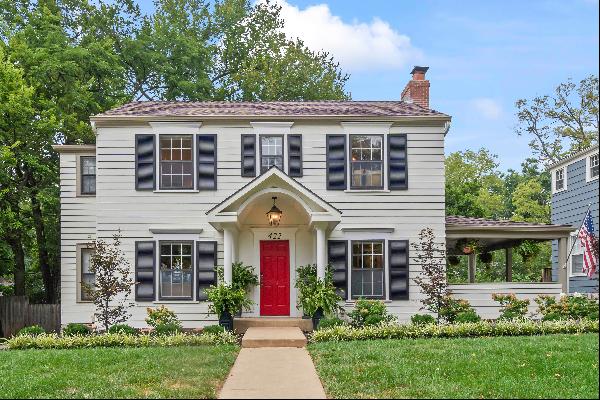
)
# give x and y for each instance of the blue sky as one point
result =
(483, 55)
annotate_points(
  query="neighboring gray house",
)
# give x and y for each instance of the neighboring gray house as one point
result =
(574, 187)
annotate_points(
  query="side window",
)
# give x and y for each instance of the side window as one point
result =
(88, 175)
(87, 278)
(593, 162)
(367, 275)
(271, 152)
(576, 255)
(366, 163)
(176, 162)
(559, 180)
(176, 271)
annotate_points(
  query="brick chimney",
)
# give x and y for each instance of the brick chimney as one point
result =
(417, 89)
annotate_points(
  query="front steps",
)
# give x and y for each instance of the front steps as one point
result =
(241, 325)
(257, 337)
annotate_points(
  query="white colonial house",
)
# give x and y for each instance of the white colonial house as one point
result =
(189, 185)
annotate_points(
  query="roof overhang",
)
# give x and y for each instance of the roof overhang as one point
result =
(74, 148)
(274, 182)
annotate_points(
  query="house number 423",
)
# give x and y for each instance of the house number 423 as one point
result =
(275, 236)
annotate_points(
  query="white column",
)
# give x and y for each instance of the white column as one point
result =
(227, 254)
(234, 247)
(563, 268)
(321, 251)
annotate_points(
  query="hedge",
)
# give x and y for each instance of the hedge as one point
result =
(53, 341)
(475, 329)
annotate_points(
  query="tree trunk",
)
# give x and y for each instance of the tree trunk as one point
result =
(48, 275)
(16, 245)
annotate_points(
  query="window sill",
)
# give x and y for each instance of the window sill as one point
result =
(176, 191)
(176, 302)
(588, 180)
(353, 302)
(559, 191)
(367, 191)
(86, 195)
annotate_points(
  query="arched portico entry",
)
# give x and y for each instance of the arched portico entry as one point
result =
(274, 251)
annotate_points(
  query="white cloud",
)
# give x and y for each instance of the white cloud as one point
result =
(357, 46)
(489, 108)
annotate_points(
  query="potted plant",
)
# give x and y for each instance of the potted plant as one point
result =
(485, 257)
(316, 297)
(453, 260)
(226, 301)
(467, 246)
(242, 276)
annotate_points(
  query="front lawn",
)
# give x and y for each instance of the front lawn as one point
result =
(174, 372)
(554, 366)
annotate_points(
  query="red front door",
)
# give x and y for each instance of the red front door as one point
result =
(274, 277)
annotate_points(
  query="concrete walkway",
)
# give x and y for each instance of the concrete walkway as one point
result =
(273, 373)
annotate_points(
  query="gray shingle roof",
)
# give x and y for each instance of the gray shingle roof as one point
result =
(271, 109)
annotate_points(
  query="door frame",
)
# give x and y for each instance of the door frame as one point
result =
(260, 305)
(289, 234)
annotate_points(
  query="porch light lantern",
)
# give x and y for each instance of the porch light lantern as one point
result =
(274, 214)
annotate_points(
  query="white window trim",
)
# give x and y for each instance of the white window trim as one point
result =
(572, 238)
(386, 283)
(269, 128)
(588, 169)
(78, 268)
(366, 128)
(78, 171)
(565, 186)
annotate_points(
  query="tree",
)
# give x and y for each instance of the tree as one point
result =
(530, 202)
(113, 282)
(563, 123)
(431, 256)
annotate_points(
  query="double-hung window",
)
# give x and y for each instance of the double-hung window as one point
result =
(176, 271)
(559, 180)
(176, 162)
(366, 163)
(88, 175)
(271, 152)
(593, 167)
(576, 255)
(88, 278)
(368, 267)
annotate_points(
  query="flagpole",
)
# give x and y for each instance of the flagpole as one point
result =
(575, 241)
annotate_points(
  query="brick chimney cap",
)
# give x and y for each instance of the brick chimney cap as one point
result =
(419, 69)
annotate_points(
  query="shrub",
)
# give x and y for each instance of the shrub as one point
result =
(53, 341)
(567, 307)
(76, 329)
(242, 276)
(213, 329)
(161, 316)
(169, 328)
(331, 322)
(123, 329)
(422, 319)
(477, 329)
(453, 308)
(34, 330)
(510, 306)
(467, 317)
(369, 312)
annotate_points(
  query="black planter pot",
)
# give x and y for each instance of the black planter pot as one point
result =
(226, 321)
(318, 315)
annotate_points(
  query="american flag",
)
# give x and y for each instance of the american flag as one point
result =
(588, 242)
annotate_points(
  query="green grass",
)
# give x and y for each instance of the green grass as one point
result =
(554, 366)
(175, 372)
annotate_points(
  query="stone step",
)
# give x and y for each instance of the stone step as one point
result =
(273, 337)
(240, 325)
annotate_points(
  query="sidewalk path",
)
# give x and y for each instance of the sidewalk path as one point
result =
(273, 373)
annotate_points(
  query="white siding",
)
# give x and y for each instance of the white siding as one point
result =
(120, 206)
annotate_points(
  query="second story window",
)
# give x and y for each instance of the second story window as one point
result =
(559, 180)
(366, 164)
(593, 166)
(88, 175)
(271, 152)
(176, 162)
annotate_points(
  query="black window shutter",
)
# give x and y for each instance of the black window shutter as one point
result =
(295, 155)
(145, 256)
(336, 162)
(144, 162)
(249, 155)
(398, 264)
(337, 251)
(207, 162)
(397, 162)
(207, 260)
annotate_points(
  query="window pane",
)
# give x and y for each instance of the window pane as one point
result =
(88, 184)
(577, 263)
(176, 275)
(88, 279)
(88, 166)
(367, 174)
(176, 162)
(367, 269)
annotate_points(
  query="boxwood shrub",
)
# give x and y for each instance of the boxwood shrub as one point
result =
(54, 341)
(123, 329)
(33, 330)
(73, 329)
(476, 329)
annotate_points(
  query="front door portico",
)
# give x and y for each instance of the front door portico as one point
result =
(274, 278)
